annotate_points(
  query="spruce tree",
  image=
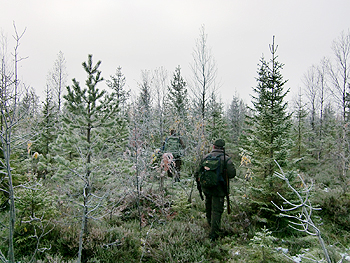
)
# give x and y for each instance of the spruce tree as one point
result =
(117, 83)
(301, 131)
(269, 133)
(327, 168)
(46, 133)
(176, 104)
(267, 139)
(144, 111)
(216, 123)
(178, 94)
(235, 116)
(46, 125)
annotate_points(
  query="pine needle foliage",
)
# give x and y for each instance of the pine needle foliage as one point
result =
(89, 121)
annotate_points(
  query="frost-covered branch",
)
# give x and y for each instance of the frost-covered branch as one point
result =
(40, 231)
(30, 187)
(2, 258)
(304, 221)
(96, 206)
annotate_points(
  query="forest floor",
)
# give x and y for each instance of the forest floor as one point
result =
(169, 225)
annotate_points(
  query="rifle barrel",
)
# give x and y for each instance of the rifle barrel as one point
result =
(227, 185)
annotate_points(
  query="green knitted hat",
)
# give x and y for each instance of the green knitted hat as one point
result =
(219, 143)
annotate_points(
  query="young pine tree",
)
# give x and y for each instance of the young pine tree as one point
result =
(90, 118)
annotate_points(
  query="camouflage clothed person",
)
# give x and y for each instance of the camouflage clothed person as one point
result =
(215, 196)
(174, 145)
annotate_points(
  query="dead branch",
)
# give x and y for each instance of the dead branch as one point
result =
(304, 221)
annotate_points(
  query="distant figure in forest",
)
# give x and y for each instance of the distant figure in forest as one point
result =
(212, 178)
(174, 145)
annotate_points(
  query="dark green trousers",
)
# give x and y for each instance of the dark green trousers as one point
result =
(214, 206)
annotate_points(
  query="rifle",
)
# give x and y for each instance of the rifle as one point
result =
(227, 184)
(190, 197)
(199, 187)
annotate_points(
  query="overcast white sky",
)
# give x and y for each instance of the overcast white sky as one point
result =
(148, 34)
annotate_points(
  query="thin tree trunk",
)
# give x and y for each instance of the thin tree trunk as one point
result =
(83, 227)
(11, 253)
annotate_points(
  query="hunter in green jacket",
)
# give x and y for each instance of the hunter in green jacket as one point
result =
(215, 196)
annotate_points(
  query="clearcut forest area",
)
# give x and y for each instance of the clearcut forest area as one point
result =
(85, 176)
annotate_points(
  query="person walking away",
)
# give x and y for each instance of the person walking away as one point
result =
(174, 145)
(212, 178)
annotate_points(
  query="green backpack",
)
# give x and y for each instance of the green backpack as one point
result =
(210, 174)
(172, 145)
